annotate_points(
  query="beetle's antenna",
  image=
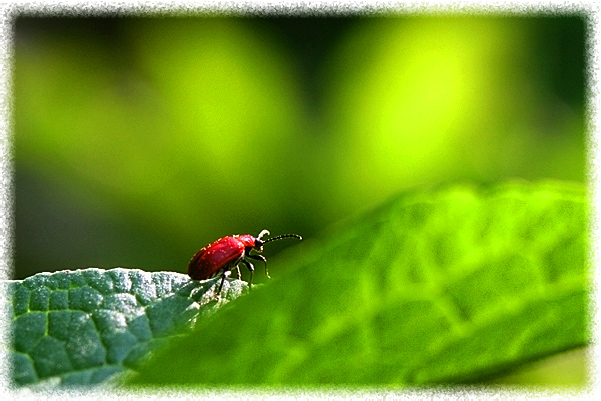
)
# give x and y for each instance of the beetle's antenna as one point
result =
(262, 233)
(283, 236)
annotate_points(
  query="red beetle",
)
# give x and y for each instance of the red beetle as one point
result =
(223, 255)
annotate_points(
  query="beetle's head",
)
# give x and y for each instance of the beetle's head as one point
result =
(259, 242)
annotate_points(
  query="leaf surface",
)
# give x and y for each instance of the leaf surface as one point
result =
(448, 286)
(85, 326)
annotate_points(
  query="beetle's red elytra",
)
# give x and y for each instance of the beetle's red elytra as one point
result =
(221, 256)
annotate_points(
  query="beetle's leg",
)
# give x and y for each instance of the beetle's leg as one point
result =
(225, 275)
(251, 269)
(262, 259)
(238, 272)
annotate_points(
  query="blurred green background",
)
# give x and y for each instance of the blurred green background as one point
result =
(139, 140)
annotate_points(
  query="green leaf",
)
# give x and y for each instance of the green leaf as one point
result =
(85, 326)
(449, 286)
